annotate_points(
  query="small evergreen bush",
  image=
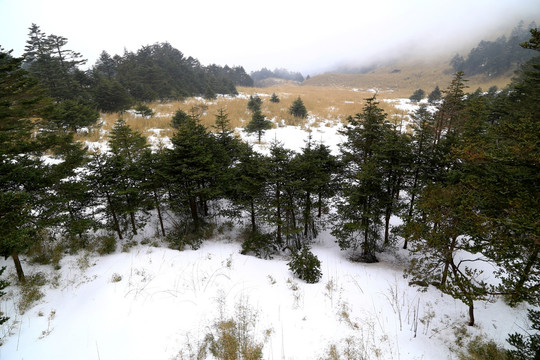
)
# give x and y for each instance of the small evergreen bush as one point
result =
(306, 266)
(144, 110)
(261, 245)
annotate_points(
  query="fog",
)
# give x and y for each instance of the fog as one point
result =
(306, 36)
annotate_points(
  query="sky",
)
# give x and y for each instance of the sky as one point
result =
(305, 36)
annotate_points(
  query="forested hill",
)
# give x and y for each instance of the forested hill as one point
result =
(115, 83)
(495, 58)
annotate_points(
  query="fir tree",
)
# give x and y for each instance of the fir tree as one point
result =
(298, 109)
(254, 104)
(258, 124)
(358, 220)
(418, 95)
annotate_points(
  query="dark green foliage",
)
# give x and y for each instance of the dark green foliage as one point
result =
(358, 221)
(74, 114)
(313, 183)
(305, 265)
(418, 95)
(274, 98)
(144, 110)
(193, 170)
(260, 244)
(110, 95)
(249, 178)
(53, 65)
(179, 118)
(258, 124)
(435, 95)
(527, 347)
(185, 233)
(494, 58)
(27, 182)
(254, 103)
(161, 72)
(298, 109)
(3, 284)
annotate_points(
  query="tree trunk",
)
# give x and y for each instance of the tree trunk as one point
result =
(320, 206)
(159, 213)
(194, 212)
(132, 218)
(387, 225)
(278, 216)
(471, 313)
(113, 214)
(307, 214)
(447, 260)
(18, 267)
(252, 206)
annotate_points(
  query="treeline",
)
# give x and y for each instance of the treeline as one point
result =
(465, 181)
(494, 58)
(115, 83)
(264, 73)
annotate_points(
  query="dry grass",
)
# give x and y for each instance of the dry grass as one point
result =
(329, 98)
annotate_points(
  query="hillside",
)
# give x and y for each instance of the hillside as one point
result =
(403, 78)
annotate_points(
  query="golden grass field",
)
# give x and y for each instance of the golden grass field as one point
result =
(329, 98)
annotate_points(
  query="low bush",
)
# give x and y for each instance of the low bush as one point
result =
(259, 244)
(305, 265)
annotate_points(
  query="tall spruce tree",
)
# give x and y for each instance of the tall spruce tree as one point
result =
(191, 171)
(27, 198)
(358, 221)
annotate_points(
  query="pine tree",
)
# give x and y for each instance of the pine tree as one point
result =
(274, 98)
(298, 109)
(358, 220)
(418, 95)
(258, 124)
(435, 95)
(250, 176)
(422, 162)
(278, 168)
(128, 149)
(192, 171)
(254, 104)
(315, 171)
(27, 198)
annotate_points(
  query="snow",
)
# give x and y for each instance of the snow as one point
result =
(166, 299)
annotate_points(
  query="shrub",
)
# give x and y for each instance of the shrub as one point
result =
(261, 245)
(477, 349)
(418, 95)
(298, 109)
(144, 110)
(31, 291)
(185, 234)
(306, 266)
(106, 244)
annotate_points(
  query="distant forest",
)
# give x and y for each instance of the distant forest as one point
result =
(494, 58)
(264, 73)
(116, 83)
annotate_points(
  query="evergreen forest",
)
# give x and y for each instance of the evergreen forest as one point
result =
(465, 180)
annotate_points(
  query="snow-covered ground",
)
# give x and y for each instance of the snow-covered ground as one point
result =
(152, 302)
